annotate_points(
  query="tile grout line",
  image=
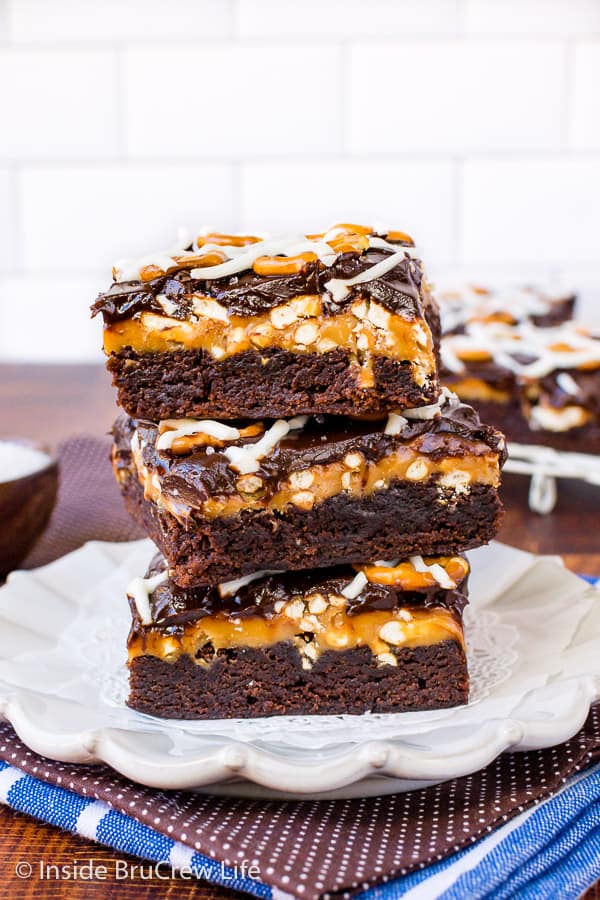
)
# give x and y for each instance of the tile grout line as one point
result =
(237, 179)
(16, 215)
(458, 206)
(568, 95)
(119, 101)
(344, 71)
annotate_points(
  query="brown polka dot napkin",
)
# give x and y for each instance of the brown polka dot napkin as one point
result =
(89, 505)
(310, 848)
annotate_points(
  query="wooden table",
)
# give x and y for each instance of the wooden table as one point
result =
(50, 403)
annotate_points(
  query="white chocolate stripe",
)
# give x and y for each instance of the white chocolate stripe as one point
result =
(339, 287)
(354, 587)
(438, 572)
(503, 341)
(242, 258)
(228, 588)
(246, 459)
(188, 427)
(285, 247)
(139, 590)
(395, 424)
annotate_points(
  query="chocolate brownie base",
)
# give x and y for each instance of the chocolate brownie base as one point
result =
(249, 682)
(406, 518)
(509, 418)
(270, 383)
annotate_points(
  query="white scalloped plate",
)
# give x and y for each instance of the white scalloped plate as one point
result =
(533, 632)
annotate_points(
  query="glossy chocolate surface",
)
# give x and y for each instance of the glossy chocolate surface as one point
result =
(173, 607)
(249, 294)
(195, 477)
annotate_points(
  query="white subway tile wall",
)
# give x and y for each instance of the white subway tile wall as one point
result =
(7, 219)
(83, 217)
(229, 102)
(290, 194)
(474, 124)
(585, 109)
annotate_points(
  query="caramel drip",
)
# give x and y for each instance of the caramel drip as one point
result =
(349, 243)
(477, 389)
(299, 325)
(227, 240)
(474, 355)
(397, 237)
(283, 265)
(333, 629)
(405, 576)
(346, 228)
(343, 238)
(353, 475)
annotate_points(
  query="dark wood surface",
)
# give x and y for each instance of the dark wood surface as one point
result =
(50, 403)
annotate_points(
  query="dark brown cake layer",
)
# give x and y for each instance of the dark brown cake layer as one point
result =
(404, 519)
(256, 384)
(383, 637)
(251, 682)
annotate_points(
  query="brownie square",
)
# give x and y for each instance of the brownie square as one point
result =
(310, 492)
(342, 323)
(380, 638)
(538, 385)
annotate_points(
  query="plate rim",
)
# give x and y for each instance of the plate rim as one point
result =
(391, 758)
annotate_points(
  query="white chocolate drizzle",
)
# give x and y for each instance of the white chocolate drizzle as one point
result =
(544, 465)
(246, 459)
(186, 427)
(567, 383)
(354, 587)
(241, 258)
(140, 589)
(459, 303)
(422, 413)
(438, 572)
(340, 287)
(395, 424)
(228, 588)
(502, 342)
(285, 247)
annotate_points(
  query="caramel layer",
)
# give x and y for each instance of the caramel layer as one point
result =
(298, 325)
(311, 633)
(477, 389)
(404, 575)
(354, 475)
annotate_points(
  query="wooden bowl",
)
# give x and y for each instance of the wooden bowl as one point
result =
(26, 503)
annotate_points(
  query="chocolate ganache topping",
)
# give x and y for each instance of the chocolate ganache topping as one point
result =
(194, 477)
(249, 294)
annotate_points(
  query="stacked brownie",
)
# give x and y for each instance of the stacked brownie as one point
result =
(310, 487)
(526, 365)
(463, 304)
